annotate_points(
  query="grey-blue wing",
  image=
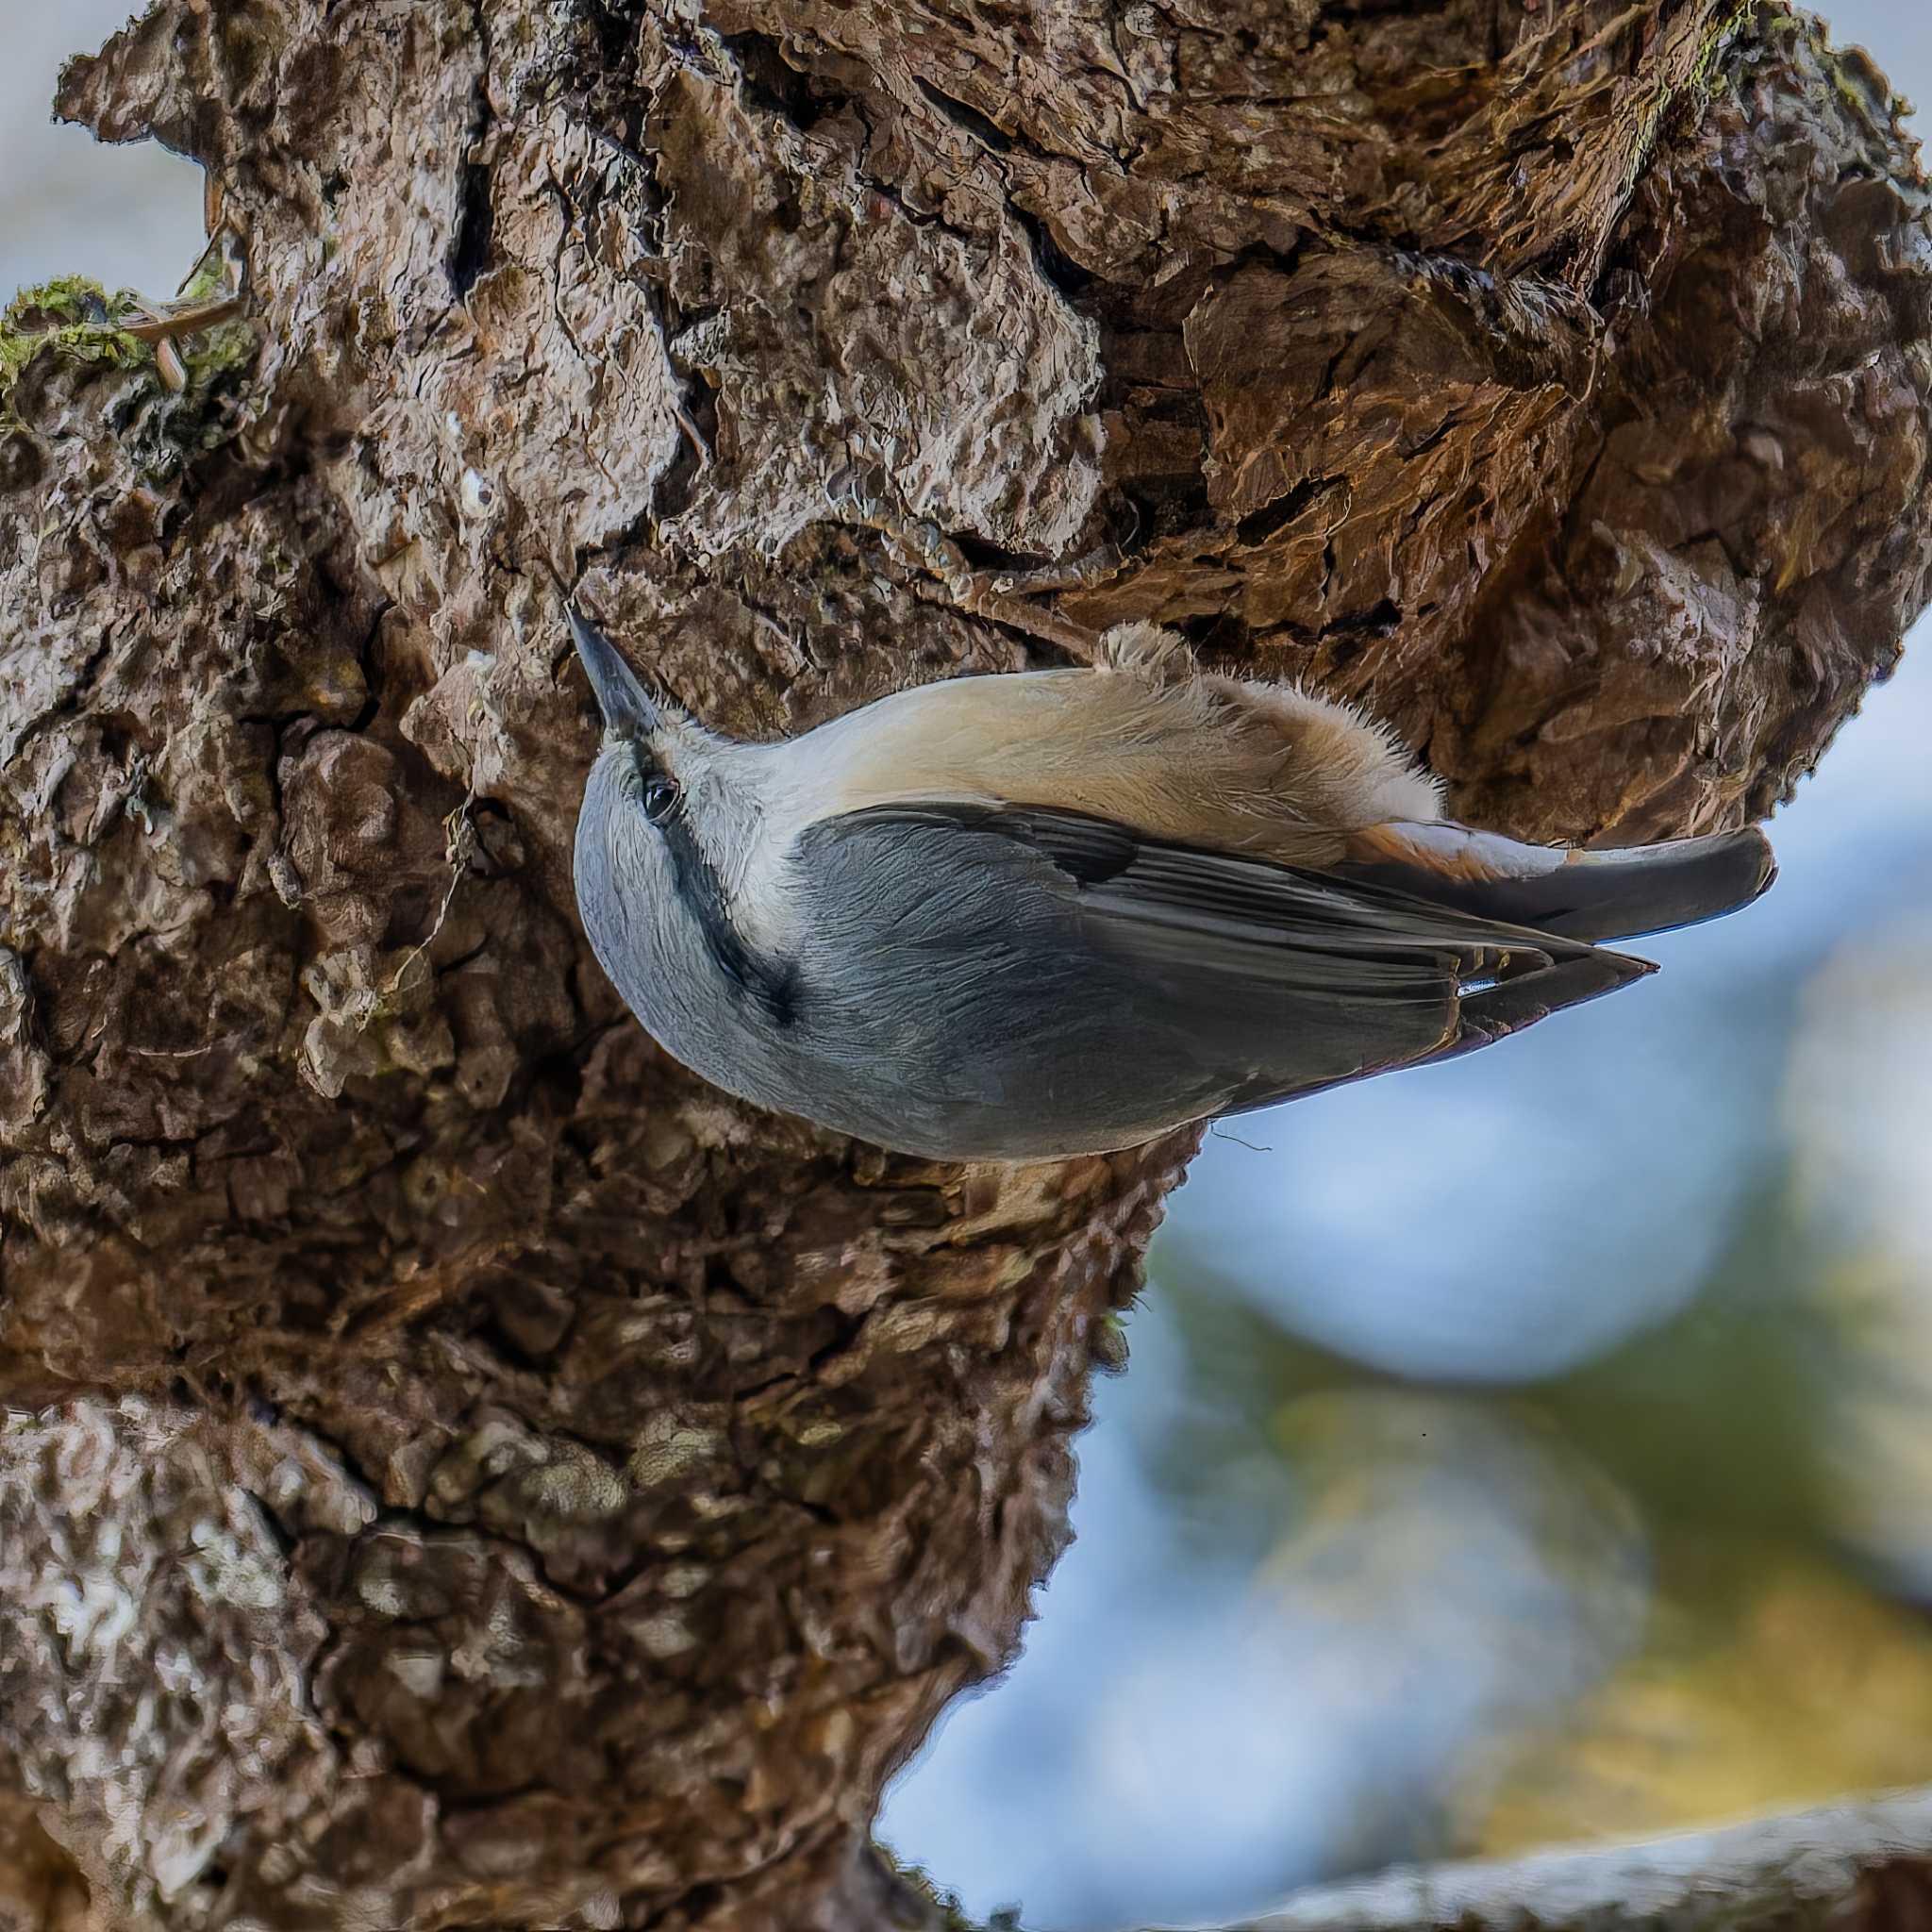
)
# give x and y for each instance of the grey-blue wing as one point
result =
(1047, 983)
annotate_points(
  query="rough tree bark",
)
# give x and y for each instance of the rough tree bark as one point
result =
(461, 1470)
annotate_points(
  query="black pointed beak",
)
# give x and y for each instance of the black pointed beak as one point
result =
(628, 708)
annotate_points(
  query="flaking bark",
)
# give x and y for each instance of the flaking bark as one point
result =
(463, 1471)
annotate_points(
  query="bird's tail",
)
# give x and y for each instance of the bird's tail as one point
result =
(1615, 894)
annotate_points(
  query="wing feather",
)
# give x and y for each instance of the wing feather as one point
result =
(1319, 934)
(1092, 984)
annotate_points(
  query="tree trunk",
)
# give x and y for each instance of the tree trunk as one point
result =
(464, 1472)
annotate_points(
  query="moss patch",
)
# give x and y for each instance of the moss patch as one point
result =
(72, 318)
(78, 322)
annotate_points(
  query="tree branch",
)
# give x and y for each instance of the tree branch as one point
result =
(1855, 1868)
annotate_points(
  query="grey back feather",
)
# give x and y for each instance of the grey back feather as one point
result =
(1027, 983)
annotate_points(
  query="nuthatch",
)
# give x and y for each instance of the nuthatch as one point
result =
(1055, 912)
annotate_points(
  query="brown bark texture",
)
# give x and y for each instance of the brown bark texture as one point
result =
(461, 1471)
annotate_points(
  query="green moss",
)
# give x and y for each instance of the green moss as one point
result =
(207, 282)
(77, 321)
(1710, 54)
(71, 317)
(1694, 94)
(226, 347)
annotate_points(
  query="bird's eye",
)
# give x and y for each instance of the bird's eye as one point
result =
(659, 798)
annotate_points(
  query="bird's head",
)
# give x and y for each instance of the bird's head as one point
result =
(669, 818)
(656, 757)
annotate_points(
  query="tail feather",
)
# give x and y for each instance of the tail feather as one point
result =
(1617, 894)
(1511, 1005)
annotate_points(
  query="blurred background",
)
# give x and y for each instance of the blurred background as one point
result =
(1581, 1487)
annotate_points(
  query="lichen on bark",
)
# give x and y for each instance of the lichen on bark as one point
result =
(611, 1483)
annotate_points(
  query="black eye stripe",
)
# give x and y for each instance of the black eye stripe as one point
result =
(773, 984)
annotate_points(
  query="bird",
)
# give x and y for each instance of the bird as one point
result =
(1033, 915)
